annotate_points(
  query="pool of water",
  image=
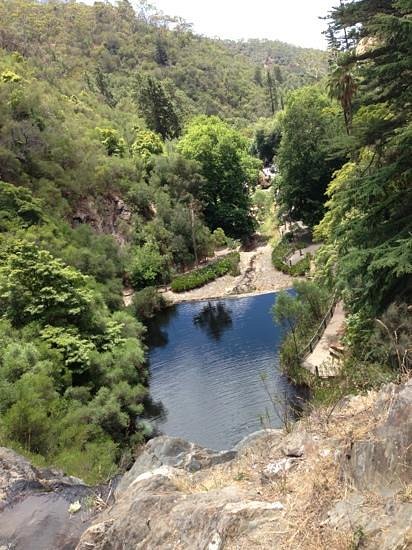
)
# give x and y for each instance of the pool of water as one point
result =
(206, 364)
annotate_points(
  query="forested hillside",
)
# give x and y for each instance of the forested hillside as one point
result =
(97, 194)
(106, 49)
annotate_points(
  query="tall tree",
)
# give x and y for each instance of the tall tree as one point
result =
(369, 222)
(305, 160)
(158, 108)
(228, 169)
(342, 86)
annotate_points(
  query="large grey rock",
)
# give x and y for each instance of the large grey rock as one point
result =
(174, 452)
(16, 475)
(383, 461)
(34, 506)
(154, 515)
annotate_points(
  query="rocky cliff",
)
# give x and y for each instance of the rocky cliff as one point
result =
(340, 479)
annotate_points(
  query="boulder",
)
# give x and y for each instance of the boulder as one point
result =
(154, 515)
(174, 452)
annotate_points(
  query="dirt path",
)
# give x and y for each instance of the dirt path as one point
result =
(321, 361)
(257, 276)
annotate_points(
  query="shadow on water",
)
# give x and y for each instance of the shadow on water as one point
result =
(157, 336)
(154, 410)
(214, 319)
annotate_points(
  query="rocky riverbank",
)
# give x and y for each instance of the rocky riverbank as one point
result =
(341, 479)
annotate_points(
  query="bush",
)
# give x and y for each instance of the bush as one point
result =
(284, 249)
(149, 266)
(204, 275)
(219, 238)
(299, 317)
(147, 302)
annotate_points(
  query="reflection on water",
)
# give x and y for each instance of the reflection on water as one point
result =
(207, 370)
(214, 318)
(157, 336)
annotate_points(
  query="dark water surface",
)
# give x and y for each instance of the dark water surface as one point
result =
(206, 360)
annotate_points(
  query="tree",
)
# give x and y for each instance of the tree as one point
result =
(146, 144)
(368, 223)
(149, 267)
(306, 158)
(267, 139)
(35, 285)
(272, 91)
(342, 86)
(103, 86)
(229, 172)
(114, 144)
(161, 56)
(158, 108)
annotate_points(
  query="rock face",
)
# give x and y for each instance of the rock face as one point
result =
(383, 461)
(111, 215)
(321, 485)
(18, 477)
(34, 506)
(176, 453)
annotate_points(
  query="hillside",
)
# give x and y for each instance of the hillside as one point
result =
(107, 49)
(299, 66)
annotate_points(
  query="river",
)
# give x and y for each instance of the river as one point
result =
(207, 359)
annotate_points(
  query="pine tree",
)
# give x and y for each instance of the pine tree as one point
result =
(158, 108)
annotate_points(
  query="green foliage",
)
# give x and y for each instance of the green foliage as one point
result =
(147, 302)
(280, 254)
(10, 76)
(229, 171)
(113, 143)
(267, 138)
(146, 144)
(219, 237)
(36, 286)
(368, 223)
(204, 275)
(149, 266)
(158, 108)
(298, 66)
(299, 315)
(306, 161)
(18, 207)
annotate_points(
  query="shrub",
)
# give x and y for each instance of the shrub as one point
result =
(147, 302)
(219, 238)
(204, 275)
(149, 266)
(284, 249)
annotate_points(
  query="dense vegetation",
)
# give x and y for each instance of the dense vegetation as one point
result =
(364, 218)
(280, 259)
